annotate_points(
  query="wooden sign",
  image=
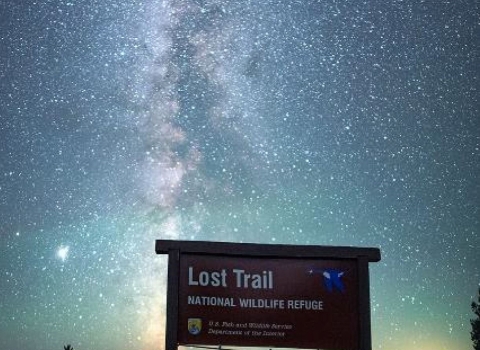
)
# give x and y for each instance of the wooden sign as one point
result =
(268, 295)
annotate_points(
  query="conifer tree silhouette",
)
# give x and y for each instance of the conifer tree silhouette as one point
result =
(475, 333)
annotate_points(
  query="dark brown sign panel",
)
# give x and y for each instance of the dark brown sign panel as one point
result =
(266, 295)
(297, 303)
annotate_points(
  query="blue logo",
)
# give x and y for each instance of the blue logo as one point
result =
(332, 279)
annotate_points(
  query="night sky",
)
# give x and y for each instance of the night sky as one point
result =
(335, 122)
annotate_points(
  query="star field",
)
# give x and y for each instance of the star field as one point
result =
(324, 122)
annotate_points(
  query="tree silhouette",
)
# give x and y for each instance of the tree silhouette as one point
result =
(475, 333)
(68, 347)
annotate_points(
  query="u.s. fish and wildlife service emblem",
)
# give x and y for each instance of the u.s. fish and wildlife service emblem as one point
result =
(194, 326)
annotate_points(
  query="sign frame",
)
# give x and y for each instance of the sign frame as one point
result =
(176, 248)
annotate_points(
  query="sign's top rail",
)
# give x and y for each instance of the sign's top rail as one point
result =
(267, 250)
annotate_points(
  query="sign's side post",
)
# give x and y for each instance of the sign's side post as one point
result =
(364, 304)
(171, 342)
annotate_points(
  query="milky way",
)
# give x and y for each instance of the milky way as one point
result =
(327, 123)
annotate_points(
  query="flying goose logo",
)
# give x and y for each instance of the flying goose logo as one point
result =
(332, 279)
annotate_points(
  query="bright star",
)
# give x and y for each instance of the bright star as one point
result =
(62, 252)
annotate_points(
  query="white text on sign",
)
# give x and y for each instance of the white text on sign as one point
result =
(218, 278)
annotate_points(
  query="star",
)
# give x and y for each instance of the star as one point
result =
(62, 252)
